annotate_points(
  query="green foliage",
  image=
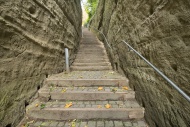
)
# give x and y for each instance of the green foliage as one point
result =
(42, 106)
(90, 8)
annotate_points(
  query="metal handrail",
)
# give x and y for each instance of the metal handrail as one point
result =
(150, 64)
(160, 73)
(103, 36)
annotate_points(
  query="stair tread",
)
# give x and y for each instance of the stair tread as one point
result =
(87, 75)
(92, 64)
(87, 109)
(128, 105)
(105, 89)
(88, 123)
(91, 68)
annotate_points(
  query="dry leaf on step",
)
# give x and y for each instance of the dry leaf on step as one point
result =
(125, 88)
(63, 90)
(114, 90)
(108, 106)
(36, 105)
(100, 88)
(99, 106)
(112, 72)
(73, 124)
(68, 105)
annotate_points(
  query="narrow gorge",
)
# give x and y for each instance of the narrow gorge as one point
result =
(33, 35)
(160, 31)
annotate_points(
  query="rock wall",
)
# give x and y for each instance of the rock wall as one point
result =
(33, 34)
(160, 31)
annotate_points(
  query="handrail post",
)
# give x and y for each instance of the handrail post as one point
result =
(67, 60)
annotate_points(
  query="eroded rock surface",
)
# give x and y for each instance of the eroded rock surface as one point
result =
(160, 31)
(33, 34)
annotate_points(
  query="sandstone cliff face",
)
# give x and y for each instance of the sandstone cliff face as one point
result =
(33, 34)
(160, 31)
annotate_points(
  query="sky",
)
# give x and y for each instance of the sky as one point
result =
(85, 16)
(83, 2)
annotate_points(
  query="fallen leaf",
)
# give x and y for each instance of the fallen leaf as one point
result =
(114, 90)
(121, 105)
(99, 106)
(100, 88)
(30, 122)
(64, 90)
(82, 88)
(125, 88)
(42, 106)
(68, 105)
(108, 106)
(36, 105)
(42, 124)
(112, 72)
(73, 123)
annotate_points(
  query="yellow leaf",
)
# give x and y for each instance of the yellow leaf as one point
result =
(64, 90)
(112, 72)
(68, 105)
(30, 122)
(73, 124)
(108, 106)
(100, 88)
(99, 106)
(125, 88)
(36, 105)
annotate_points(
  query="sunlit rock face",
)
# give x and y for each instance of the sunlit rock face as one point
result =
(33, 34)
(160, 31)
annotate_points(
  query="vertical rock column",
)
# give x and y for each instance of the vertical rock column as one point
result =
(33, 34)
(160, 31)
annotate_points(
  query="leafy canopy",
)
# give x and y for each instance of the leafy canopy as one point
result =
(90, 8)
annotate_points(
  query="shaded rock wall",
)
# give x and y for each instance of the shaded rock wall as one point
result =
(160, 31)
(33, 34)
